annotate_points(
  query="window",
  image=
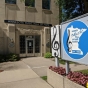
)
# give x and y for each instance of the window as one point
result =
(30, 3)
(22, 44)
(37, 44)
(10, 1)
(46, 4)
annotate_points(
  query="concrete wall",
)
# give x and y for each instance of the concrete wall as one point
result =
(3, 31)
(70, 84)
(21, 12)
(55, 79)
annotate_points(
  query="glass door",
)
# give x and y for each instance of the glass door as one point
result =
(30, 47)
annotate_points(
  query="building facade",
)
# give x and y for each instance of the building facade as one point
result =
(86, 6)
(25, 27)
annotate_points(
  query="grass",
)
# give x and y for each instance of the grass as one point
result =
(63, 62)
(84, 71)
(44, 78)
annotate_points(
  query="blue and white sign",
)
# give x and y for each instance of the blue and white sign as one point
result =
(74, 40)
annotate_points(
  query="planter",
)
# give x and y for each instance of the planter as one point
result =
(55, 79)
(59, 81)
(70, 84)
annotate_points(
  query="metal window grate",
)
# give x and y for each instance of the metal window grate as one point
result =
(30, 3)
(46, 4)
(22, 44)
(10, 1)
(37, 44)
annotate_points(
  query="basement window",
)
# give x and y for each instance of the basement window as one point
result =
(46, 4)
(30, 3)
(10, 1)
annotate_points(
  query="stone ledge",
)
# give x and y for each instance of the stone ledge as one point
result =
(70, 84)
(55, 79)
(58, 81)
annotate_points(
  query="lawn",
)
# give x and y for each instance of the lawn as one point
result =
(84, 71)
(63, 61)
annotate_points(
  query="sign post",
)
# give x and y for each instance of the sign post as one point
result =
(56, 61)
(55, 44)
(67, 67)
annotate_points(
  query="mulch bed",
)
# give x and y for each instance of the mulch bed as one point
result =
(1, 70)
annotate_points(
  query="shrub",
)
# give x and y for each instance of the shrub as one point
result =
(9, 57)
(12, 57)
(48, 55)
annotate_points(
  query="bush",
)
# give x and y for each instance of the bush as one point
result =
(48, 55)
(9, 57)
(12, 57)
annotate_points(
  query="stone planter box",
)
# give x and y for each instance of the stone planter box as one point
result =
(58, 81)
(55, 79)
(70, 84)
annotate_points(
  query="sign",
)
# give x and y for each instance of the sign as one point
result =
(11, 45)
(55, 45)
(74, 40)
(27, 23)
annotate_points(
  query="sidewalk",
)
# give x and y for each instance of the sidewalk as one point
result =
(26, 73)
(40, 64)
(17, 75)
(22, 78)
(77, 67)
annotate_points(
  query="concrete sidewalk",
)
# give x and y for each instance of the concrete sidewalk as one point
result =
(29, 83)
(26, 73)
(40, 64)
(77, 67)
(16, 75)
(9, 66)
(24, 78)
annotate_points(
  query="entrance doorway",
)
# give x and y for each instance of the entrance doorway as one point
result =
(30, 45)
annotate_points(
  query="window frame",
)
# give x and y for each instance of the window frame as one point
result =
(49, 5)
(10, 1)
(29, 5)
